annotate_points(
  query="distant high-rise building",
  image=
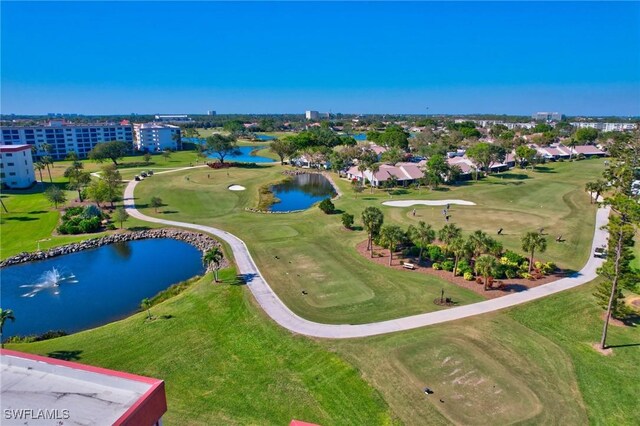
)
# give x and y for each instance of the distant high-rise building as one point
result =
(312, 115)
(547, 116)
(211, 112)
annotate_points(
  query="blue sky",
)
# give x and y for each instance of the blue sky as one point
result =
(437, 58)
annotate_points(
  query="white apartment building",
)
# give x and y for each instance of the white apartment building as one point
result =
(16, 166)
(156, 137)
(175, 118)
(312, 115)
(606, 127)
(63, 138)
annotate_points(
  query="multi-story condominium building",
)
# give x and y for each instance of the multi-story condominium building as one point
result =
(16, 166)
(312, 115)
(547, 116)
(606, 127)
(176, 118)
(156, 137)
(60, 138)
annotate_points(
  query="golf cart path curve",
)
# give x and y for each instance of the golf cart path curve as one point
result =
(280, 313)
(409, 203)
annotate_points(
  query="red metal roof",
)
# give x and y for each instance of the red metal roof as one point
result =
(14, 148)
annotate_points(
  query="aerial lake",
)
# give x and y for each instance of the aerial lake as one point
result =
(301, 192)
(93, 287)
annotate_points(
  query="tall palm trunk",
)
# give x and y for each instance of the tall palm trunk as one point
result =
(455, 265)
(49, 171)
(390, 255)
(531, 261)
(614, 287)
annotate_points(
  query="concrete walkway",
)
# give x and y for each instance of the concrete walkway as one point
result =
(281, 314)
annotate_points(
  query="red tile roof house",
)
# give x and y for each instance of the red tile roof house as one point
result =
(41, 390)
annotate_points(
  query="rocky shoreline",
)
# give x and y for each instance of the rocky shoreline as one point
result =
(202, 242)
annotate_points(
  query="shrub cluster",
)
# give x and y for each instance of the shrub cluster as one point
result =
(79, 220)
(327, 206)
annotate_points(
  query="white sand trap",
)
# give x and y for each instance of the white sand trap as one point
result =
(409, 203)
(237, 188)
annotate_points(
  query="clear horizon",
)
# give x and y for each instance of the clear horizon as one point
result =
(579, 59)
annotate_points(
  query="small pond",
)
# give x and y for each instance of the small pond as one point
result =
(244, 156)
(301, 192)
(94, 287)
(265, 137)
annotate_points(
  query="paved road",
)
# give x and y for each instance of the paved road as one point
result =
(280, 313)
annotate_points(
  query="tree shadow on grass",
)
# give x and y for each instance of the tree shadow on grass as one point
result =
(22, 218)
(544, 169)
(631, 320)
(169, 211)
(38, 212)
(66, 355)
(368, 198)
(441, 189)
(506, 183)
(357, 228)
(139, 228)
(515, 176)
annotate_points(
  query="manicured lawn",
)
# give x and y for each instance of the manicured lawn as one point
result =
(224, 363)
(31, 218)
(314, 251)
(532, 364)
(609, 385)
(316, 254)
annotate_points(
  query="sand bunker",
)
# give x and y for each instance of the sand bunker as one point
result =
(409, 203)
(237, 188)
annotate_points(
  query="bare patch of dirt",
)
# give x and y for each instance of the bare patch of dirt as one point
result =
(613, 321)
(381, 257)
(605, 352)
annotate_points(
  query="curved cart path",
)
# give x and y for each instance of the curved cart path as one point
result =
(280, 313)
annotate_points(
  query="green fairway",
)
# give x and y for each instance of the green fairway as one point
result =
(223, 363)
(532, 365)
(316, 254)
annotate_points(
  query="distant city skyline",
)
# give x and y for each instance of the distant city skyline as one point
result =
(412, 58)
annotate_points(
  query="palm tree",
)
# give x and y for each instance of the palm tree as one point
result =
(391, 236)
(372, 220)
(479, 242)
(597, 187)
(213, 256)
(47, 161)
(486, 265)
(5, 314)
(532, 241)
(146, 304)
(362, 168)
(459, 247)
(374, 168)
(39, 166)
(449, 233)
(421, 235)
